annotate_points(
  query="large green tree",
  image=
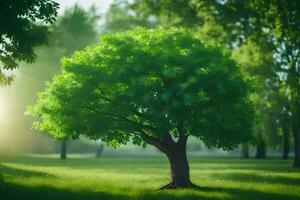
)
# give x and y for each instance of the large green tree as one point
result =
(150, 86)
(22, 28)
(274, 22)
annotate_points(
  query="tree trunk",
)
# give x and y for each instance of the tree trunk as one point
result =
(179, 169)
(176, 154)
(261, 150)
(286, 142)
(245, 150)
(99, 150)
(296, 133)
(63, 152)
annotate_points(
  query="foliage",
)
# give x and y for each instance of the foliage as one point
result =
(169, 12)
(276, 21)
(22, 29)
(146, 84)
(257, 62)
(121, 17)
(271, 26)
(74, 30)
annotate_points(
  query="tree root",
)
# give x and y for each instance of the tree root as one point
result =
(173, 185)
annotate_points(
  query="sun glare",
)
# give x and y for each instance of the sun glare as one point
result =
(2, 109)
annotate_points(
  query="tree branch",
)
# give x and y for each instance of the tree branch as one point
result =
(155, 142)
(106, 98)
(149, 127)
(182, 136)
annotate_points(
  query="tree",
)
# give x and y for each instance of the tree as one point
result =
(21, 31)
(168, 12)
(282, 114)
(100, 148)
(150, 86)
(257, 62)
(76, 24)
(245, 150)
(269, 21)
(121, 17)
(63, 151)
(208, 28)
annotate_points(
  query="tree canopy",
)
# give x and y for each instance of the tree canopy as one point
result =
(22, 28)
(148, 84)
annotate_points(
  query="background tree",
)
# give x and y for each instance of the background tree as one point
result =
(132, 87)
(22, 28)
(100, 147)
(74, 24)
(257, 62)
(121, 17)
(74, 30)
(281, 115)
(279, 21)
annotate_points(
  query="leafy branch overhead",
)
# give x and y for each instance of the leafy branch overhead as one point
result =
(22, 28)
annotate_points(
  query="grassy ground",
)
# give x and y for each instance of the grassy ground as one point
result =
(45, 178)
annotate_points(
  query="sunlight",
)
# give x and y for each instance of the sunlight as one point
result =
(2, 109)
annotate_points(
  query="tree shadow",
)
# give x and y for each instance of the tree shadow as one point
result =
(12, 191)
(247, 194)
(268, 165)
(22, 173)
(254, 178)
(9, 191)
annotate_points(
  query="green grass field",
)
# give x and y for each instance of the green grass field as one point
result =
(78, 178)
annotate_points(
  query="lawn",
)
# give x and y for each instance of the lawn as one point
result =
(108, 178)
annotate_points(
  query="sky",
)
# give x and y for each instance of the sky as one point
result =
(102, 5)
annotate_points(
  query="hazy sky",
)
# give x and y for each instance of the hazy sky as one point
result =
(102, 5)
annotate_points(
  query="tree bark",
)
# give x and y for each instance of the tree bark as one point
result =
(286, 142)
(261, 150)
(245, 150)
(179, 169)
(176, 154)
(63, 152)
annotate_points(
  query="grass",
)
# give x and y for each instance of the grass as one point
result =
(79, 178)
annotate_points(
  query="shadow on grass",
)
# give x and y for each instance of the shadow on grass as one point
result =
(253, 178)
(12, 191)
(22, 173)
